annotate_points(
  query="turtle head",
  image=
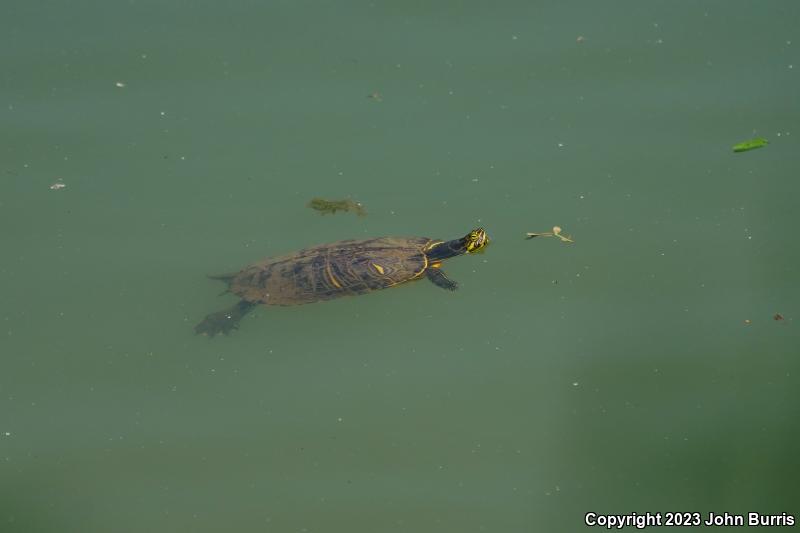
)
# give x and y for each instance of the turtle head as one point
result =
(475, 240)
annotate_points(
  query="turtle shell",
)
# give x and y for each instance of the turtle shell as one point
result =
(332, 270)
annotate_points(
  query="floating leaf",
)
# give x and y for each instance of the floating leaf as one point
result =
(555, 233)
(752, 144)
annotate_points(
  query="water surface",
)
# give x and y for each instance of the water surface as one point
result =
(639, 369)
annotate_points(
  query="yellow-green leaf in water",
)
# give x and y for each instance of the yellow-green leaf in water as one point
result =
(555, 233)
(752, 144)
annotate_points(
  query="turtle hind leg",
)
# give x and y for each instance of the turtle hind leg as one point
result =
(224, 321)
(440, 280)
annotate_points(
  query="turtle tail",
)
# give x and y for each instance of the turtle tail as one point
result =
(227, 278)
(223, 277)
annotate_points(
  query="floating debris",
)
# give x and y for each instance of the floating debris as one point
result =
(777, 317)
(580, 39)
(752, 144)
(376, 96)
(556, 232)
(332, 206)
(747, 322)
(120, 84)
(58, 185)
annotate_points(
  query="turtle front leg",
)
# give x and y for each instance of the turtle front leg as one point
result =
(438, 278)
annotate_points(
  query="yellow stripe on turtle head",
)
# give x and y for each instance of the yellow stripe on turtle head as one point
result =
(378, 268)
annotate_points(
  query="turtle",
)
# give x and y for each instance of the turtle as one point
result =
(344, 268)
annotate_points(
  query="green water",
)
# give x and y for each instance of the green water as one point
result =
(613, 375)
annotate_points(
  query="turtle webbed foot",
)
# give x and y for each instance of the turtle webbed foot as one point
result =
(224, 321)
(216, 323)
